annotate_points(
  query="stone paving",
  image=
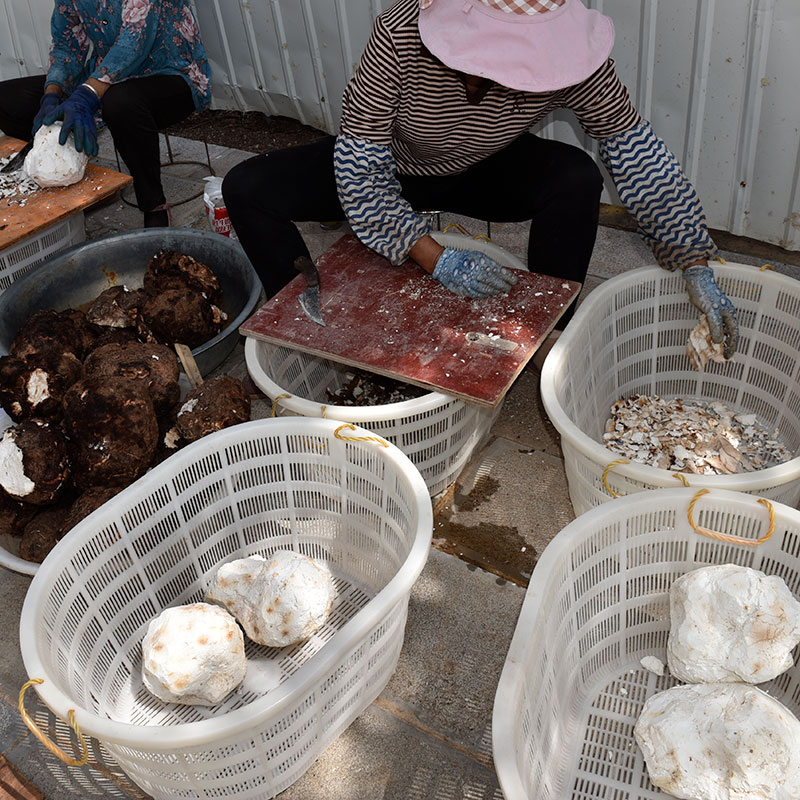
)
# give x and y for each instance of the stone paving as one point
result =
(428, 735)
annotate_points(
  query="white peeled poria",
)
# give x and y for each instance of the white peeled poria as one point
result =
(731, 623)
(279, 601)
(12, 467)
(720, 741)
(52, 164)
(193, 654)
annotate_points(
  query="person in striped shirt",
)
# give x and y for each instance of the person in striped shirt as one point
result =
(438, 116)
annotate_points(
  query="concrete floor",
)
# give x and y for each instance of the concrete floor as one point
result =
(428, 735)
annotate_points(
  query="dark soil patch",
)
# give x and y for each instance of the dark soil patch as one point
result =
(245, 130)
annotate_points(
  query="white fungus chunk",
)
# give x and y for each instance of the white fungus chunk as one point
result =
(52, 164)
(278, 601)
(731, 623)
(720, 741)
(193, 654)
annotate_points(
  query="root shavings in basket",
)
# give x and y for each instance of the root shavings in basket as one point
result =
(365, 389)
(693, 436)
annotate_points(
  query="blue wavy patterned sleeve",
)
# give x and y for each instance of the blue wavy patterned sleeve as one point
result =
(654, 189)
(370, 196)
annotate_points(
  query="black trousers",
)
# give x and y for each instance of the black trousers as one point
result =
(134, 110)
(555, 185)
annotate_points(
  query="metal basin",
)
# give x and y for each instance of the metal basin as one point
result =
(74, 277)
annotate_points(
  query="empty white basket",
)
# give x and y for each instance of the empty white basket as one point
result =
(357, 506)
(572, 686)
(20, 258)
(629, 337)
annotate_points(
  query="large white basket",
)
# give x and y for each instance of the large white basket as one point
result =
(629, 337)
(572, 686)
(437, 432)
(359, 507)
(20, 258)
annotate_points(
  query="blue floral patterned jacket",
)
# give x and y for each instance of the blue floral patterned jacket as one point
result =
(112, 40)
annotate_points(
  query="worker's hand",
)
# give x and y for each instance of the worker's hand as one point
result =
(705, 295)
(77, 112)
(472, 274)
(47, 105)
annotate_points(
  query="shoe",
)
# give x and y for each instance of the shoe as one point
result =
(330, 226)
(158, 217)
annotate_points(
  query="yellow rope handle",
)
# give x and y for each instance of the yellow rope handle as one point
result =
(324, 412)
(275, 403)
(607, 470)
(357, 438)
(721, 260)
(682, 478)
(457, 227)
(50, 745)
(734, 539)
(767, 266)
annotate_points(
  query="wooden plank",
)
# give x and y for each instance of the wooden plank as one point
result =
(399, 322)
(25, 215)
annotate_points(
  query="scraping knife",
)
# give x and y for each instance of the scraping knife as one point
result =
(18, 160)
(309, 299)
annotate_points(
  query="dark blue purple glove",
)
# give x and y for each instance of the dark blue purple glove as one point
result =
(47, 105)
(78, 112)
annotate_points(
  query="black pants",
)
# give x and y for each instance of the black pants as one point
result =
(134, 110)
(555, 185)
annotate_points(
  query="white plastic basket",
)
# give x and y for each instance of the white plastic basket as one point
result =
(20, 258)
(358, 506)
(436, 431)
(572, 686)
(629, 337)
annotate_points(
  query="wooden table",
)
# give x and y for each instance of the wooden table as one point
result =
(399, 322)
(46, 207)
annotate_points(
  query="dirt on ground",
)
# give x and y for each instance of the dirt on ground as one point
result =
(245, 130)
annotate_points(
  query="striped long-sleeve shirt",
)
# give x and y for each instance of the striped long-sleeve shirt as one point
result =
(406, 112)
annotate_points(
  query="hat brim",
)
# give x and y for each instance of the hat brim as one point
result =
(530, 53)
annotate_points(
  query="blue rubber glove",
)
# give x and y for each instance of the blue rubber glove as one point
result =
(472, 274)
(78, 112)
(47, 105)
(705, 295)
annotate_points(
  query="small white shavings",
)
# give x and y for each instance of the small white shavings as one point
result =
(691, 436)
(653, 664)
(700, 348)
(623, 691)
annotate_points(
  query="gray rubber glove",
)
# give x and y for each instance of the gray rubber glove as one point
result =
(705, 295)
(470, 273)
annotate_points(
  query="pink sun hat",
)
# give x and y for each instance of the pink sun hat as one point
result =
(528, 45)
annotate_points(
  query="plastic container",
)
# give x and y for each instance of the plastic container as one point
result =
(572, 686)
(436, 431)
(358, 506)
(629, 337)
(22, 257)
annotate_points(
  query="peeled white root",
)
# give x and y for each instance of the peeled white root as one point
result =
(723, 741)
(278, 602)
(52, 164)
(731, 623)
(193, 654)
(700, 348)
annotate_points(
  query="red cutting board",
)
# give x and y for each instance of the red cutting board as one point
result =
(399, 322)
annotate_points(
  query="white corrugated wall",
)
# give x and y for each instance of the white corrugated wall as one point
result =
(717, 78)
